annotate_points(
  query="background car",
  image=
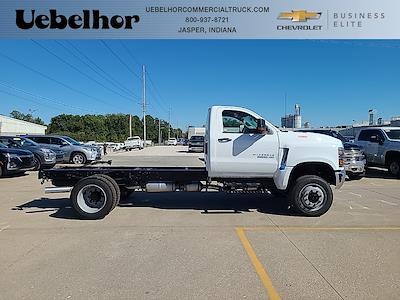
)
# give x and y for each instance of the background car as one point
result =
(74, 151)
(133, 142)
(172, 142)
(354, 158)
(196, 143)
(382, 147)
(14, 161)
(44, 157)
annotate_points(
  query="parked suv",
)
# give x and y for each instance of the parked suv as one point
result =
(354, 158)
(44, 157)
(13, 161)
(74, 151)
(196, 143)
(381, 146)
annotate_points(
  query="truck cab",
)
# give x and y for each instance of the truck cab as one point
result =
(241, 144)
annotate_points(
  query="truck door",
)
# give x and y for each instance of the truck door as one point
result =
(240, 150)
(364, 140)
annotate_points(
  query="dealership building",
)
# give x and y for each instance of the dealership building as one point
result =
(11, 126)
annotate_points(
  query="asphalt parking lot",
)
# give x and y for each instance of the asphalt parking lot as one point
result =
(199, 245)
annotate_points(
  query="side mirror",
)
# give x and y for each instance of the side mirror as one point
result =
(261, 126)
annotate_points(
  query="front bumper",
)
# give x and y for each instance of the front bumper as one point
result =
(196, 148)
(340, 176)
(355, 166)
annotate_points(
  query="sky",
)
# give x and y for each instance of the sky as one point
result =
(335, 82)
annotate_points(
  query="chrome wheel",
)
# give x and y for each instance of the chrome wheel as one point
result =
(91, 198)
(312, 197)
(78, 159)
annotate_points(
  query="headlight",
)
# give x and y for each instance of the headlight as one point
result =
(11, 164)
(340, 155)
(12, 155)
(49, 155)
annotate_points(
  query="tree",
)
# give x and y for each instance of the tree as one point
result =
(105, 128)
(26, 117)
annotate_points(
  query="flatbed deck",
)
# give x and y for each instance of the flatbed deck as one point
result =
(125, 176)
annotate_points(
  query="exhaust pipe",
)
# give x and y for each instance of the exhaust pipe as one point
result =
(53, 190)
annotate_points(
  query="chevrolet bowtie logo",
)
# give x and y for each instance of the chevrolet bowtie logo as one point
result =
(299, 15)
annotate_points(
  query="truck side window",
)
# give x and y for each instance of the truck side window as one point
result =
(56, 141)
(238, 122)
(365, 135)
(41, 139)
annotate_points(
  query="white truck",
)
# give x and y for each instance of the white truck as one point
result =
(133, 142)
(243, 153)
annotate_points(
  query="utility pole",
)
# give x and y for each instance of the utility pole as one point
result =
(169, 123)
(130, 125)
(144, 104)
(159, 132)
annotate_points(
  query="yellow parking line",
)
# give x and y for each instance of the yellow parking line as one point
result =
(272, 293)
(274, 228)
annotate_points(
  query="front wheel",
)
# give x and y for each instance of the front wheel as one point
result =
(394, 168)
(37, 163)
(78, 158)
(311, 196)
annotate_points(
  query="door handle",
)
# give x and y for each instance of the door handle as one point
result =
(224, 140)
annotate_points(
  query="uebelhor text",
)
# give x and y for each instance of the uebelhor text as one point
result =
(89, 19)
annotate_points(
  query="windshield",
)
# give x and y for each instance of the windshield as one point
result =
(25, 141)
(197, 138)
(71, 140)
(2, 145)
(393, 134)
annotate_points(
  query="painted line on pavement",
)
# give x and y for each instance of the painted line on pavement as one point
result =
(274, 228)
(266, 280)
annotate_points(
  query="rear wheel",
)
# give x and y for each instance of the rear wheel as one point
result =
(311, 196)
(93, 197)
(394, 168)
(78, 158)
(114, 184)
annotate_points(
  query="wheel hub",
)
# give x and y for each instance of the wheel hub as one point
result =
(91, 198)
(312, 197)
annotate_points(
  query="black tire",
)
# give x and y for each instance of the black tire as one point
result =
(1, 171)
(394, 168)
(88, 192)
(78, 158)
(37, 162)
(318, 189)
(114, 184)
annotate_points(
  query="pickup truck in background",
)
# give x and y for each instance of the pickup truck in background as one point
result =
(243, 154)
(354, 158)
(381, 146)
(133, 142)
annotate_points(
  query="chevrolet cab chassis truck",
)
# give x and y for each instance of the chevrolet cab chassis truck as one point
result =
(243, 153)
